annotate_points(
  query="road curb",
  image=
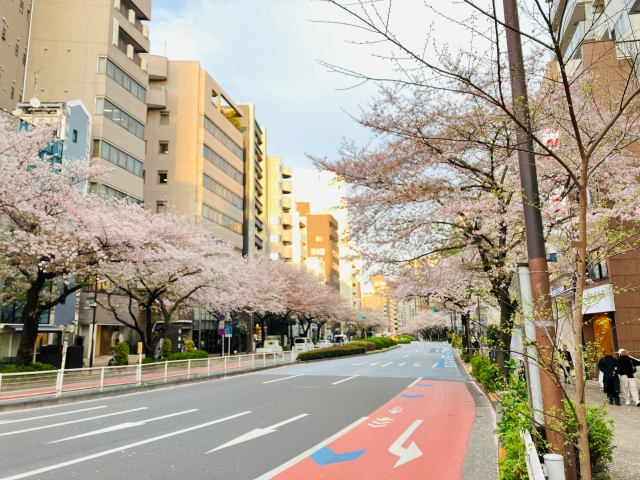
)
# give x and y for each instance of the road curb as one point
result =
(24, 404)
(300, 362)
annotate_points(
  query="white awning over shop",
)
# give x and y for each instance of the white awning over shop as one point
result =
(598, 300)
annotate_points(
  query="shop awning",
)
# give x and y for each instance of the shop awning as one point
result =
(41, 328)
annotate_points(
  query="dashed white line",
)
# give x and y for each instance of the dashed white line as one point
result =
(361, 363)
(284, 378)
(435, 365)
(340, 381)
(416, 364)
(405, 356)
(386, 364)
(401, 364)
(5, 422)
(375, 363)
(414, 382)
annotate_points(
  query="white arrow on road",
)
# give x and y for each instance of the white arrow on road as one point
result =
(416, 364)
(403, 363)
(406, 454)
(258, 432)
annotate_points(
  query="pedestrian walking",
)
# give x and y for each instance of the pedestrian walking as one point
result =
(566, 363)
(626, 370)
(608, 365)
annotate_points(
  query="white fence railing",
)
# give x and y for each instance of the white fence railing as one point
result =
(58, 382)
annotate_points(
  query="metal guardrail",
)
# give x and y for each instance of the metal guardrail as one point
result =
(59, 382)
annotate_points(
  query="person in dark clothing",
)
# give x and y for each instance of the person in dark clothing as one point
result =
(608, 365)
(566, 363)
(626, 370)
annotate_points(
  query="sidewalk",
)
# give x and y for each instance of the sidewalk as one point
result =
(626, 457)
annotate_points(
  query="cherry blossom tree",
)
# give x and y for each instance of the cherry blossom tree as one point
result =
(425, 323)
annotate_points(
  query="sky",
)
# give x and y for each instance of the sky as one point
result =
(266, 52)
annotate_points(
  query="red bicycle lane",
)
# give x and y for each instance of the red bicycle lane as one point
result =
(422, 433)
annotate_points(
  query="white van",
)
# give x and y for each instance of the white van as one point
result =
(303, 344)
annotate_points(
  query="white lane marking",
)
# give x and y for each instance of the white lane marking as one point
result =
(122, 426)
(416, 364)
(361, 363)
(401, 364)
(435, 365)
(258, 432)
(406, 356)
(395, 410)
(4, 422)
(303, 455)
(117, 449)
(386, 364)
(406, 454)
(72, 421)
(412, 384)
(380, 422)
(375, 363)
(285, 378)
(340, 381)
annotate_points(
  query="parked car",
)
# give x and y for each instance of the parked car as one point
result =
(270, 346)
(323, 344)
(340, 339)
(303, 344)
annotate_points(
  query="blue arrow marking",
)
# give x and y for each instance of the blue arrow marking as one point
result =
(411, 396)
(326, 456)
(427, 385)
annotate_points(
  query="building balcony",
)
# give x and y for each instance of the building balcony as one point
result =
(287, 253)
(258, 242)
(286, 203)
(131, 24)
(156, 98)
(303, 238)
(286, 172)
(287, 237)
(287, 186)
(157, 67)
(259, 224)
(259, 190)
(287, 220)
(142, 7)
(258, 169)
(129, 50)
(258, 206)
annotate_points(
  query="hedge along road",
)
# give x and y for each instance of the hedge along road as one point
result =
(405, 413)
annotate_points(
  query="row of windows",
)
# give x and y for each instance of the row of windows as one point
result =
(106, 191)
(115, 72)
(318, 251)
(118, 157)
(122, 118)
(223, 165)
(221, 219)
(220, 135)
(210, 184)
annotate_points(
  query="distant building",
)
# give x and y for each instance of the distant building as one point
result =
(381, 302)
(322, 234)
(16, 23)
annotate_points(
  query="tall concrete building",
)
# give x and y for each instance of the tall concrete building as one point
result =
(255, 171)
(90, 50)
(195, 154)
(380, 301)
(16, 25)
(322, 235)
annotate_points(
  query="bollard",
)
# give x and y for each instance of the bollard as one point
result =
(166, 366)
(208, 366)
(188, 368)
(555, 466)
(101, 378)
(225, 365)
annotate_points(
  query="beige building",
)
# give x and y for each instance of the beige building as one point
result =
(381, 302)
(323, 237)
(101, 65)
(286, 229)
(194, 148)
(16, 23)
(255, 171)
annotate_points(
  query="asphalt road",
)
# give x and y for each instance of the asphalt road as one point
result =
(405, 413)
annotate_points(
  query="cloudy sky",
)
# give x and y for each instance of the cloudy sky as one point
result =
(267, 51)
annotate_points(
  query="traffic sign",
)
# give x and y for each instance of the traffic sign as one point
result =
(222, 317)
(221, 331)
(229, 331)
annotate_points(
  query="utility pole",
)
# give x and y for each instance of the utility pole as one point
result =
(539, 275)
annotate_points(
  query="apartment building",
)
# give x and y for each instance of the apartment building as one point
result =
(380, 301)
(280, 207)
(195, 154)
(14, 43)
(322, 242)
(255, 171)
(101, 65)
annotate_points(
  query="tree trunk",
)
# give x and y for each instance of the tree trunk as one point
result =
(30, 322)
(507, 309)
(581, 412)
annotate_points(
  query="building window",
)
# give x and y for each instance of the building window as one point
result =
(597, 271)
(118, 157)
(164, 118)
(12, 92)
(317, 251)
(4, 33)
(279, 202)
(74, 136)
(223, 165)
(278, 168)
(279, 185)
(106, 191)
(319, 239)
(163, 147)
(119, 116)
(116, 73)
(210, 184)
(275, 238)
(223, 137)
(161, 207)
(21, 6)
(275, 221)
(163, 177)
(221, 219)
(17, 49)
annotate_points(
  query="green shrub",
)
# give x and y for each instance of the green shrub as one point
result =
(189, 346)
(331, 352)
(370, 346)
(167, 348)
(486, 373)
(285, 348)
(381, 342)
(189, 355)
(147, 360)
(122, 354)
(32, 367)
(464, 355)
